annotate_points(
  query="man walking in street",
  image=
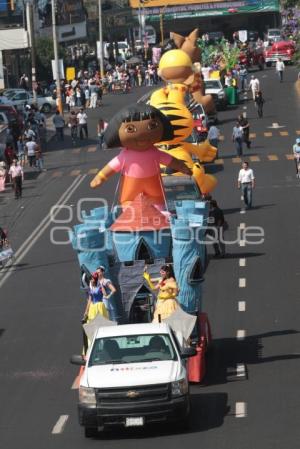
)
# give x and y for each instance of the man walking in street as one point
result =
(246, 128)
(30, 148)
(296, 152)
(280, 68)
(17, 176)
(59, 123)
(246, 181)
(237, 138)
(82, 122)
(254, 85)
(213, 135)
(216, 224)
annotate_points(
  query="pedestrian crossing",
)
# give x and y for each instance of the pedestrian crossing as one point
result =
(220, 161)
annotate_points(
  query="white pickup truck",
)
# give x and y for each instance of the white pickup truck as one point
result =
(133, 375)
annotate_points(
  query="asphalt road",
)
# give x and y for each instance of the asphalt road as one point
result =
(250, 398)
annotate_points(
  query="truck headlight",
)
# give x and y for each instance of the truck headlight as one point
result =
(87, 396)
(180, 387)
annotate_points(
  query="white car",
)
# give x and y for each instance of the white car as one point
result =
(214, 87)
(135, 374)
(21, 98)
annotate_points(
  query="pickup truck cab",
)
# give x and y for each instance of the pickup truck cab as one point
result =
(134, 375)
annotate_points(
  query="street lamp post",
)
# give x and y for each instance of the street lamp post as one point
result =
(29, 17)
(101, 64)
(56, 61)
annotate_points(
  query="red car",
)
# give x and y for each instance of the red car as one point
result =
(282, 49)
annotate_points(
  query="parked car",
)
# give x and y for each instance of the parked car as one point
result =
(282, 49)
(12, 91)
(273, 34)
(215, 36)
(19, 99)
(214, 87)
(9, 115)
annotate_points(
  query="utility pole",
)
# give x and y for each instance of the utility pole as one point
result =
(29, 16)
(56, 61)
(101, 65)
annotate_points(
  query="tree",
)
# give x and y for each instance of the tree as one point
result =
(44, 56)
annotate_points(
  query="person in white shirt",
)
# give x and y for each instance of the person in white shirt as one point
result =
(82, 122)
(246, 181)
(296, 152)
(254, 85)
(17, 176)
(280, 68)
(30, 149)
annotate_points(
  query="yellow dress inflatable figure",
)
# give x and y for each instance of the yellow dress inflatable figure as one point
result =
(176, 66)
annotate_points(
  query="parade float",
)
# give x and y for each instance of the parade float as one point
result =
(138, 236)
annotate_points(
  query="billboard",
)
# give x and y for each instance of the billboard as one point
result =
(164, 3)
(70, 19)
(67, 12)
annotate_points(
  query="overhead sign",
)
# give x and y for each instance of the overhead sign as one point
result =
(162, 3)
(213, 9)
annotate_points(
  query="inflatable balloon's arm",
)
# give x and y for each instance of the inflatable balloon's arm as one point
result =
(114, 166)
(102, 176)
(206, 182)
(203, 151)
(178, 165)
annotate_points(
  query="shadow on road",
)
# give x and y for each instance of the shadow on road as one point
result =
(227, 353)
(207, 412)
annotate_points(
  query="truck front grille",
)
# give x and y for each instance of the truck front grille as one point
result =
(115, 397)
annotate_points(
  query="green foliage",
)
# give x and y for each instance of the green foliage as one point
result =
(221, 51)
(44, 55)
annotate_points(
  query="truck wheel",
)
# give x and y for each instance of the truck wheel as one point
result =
(90, 432)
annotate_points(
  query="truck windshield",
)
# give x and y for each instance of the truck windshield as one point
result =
(132, 349)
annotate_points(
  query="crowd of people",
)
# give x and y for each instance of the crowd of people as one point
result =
(24, 141)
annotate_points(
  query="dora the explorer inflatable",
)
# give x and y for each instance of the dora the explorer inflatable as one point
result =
(136, 129)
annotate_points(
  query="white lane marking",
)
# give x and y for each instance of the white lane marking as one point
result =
(245, 107)
(242, 197)
(243, 226)
(242, 242)
(242, 282)
(242, 306)
(240, 334)
(240, 409)
(240, 370)
(242, 262)
(242, 211)
(40, 229)
(60, 425)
